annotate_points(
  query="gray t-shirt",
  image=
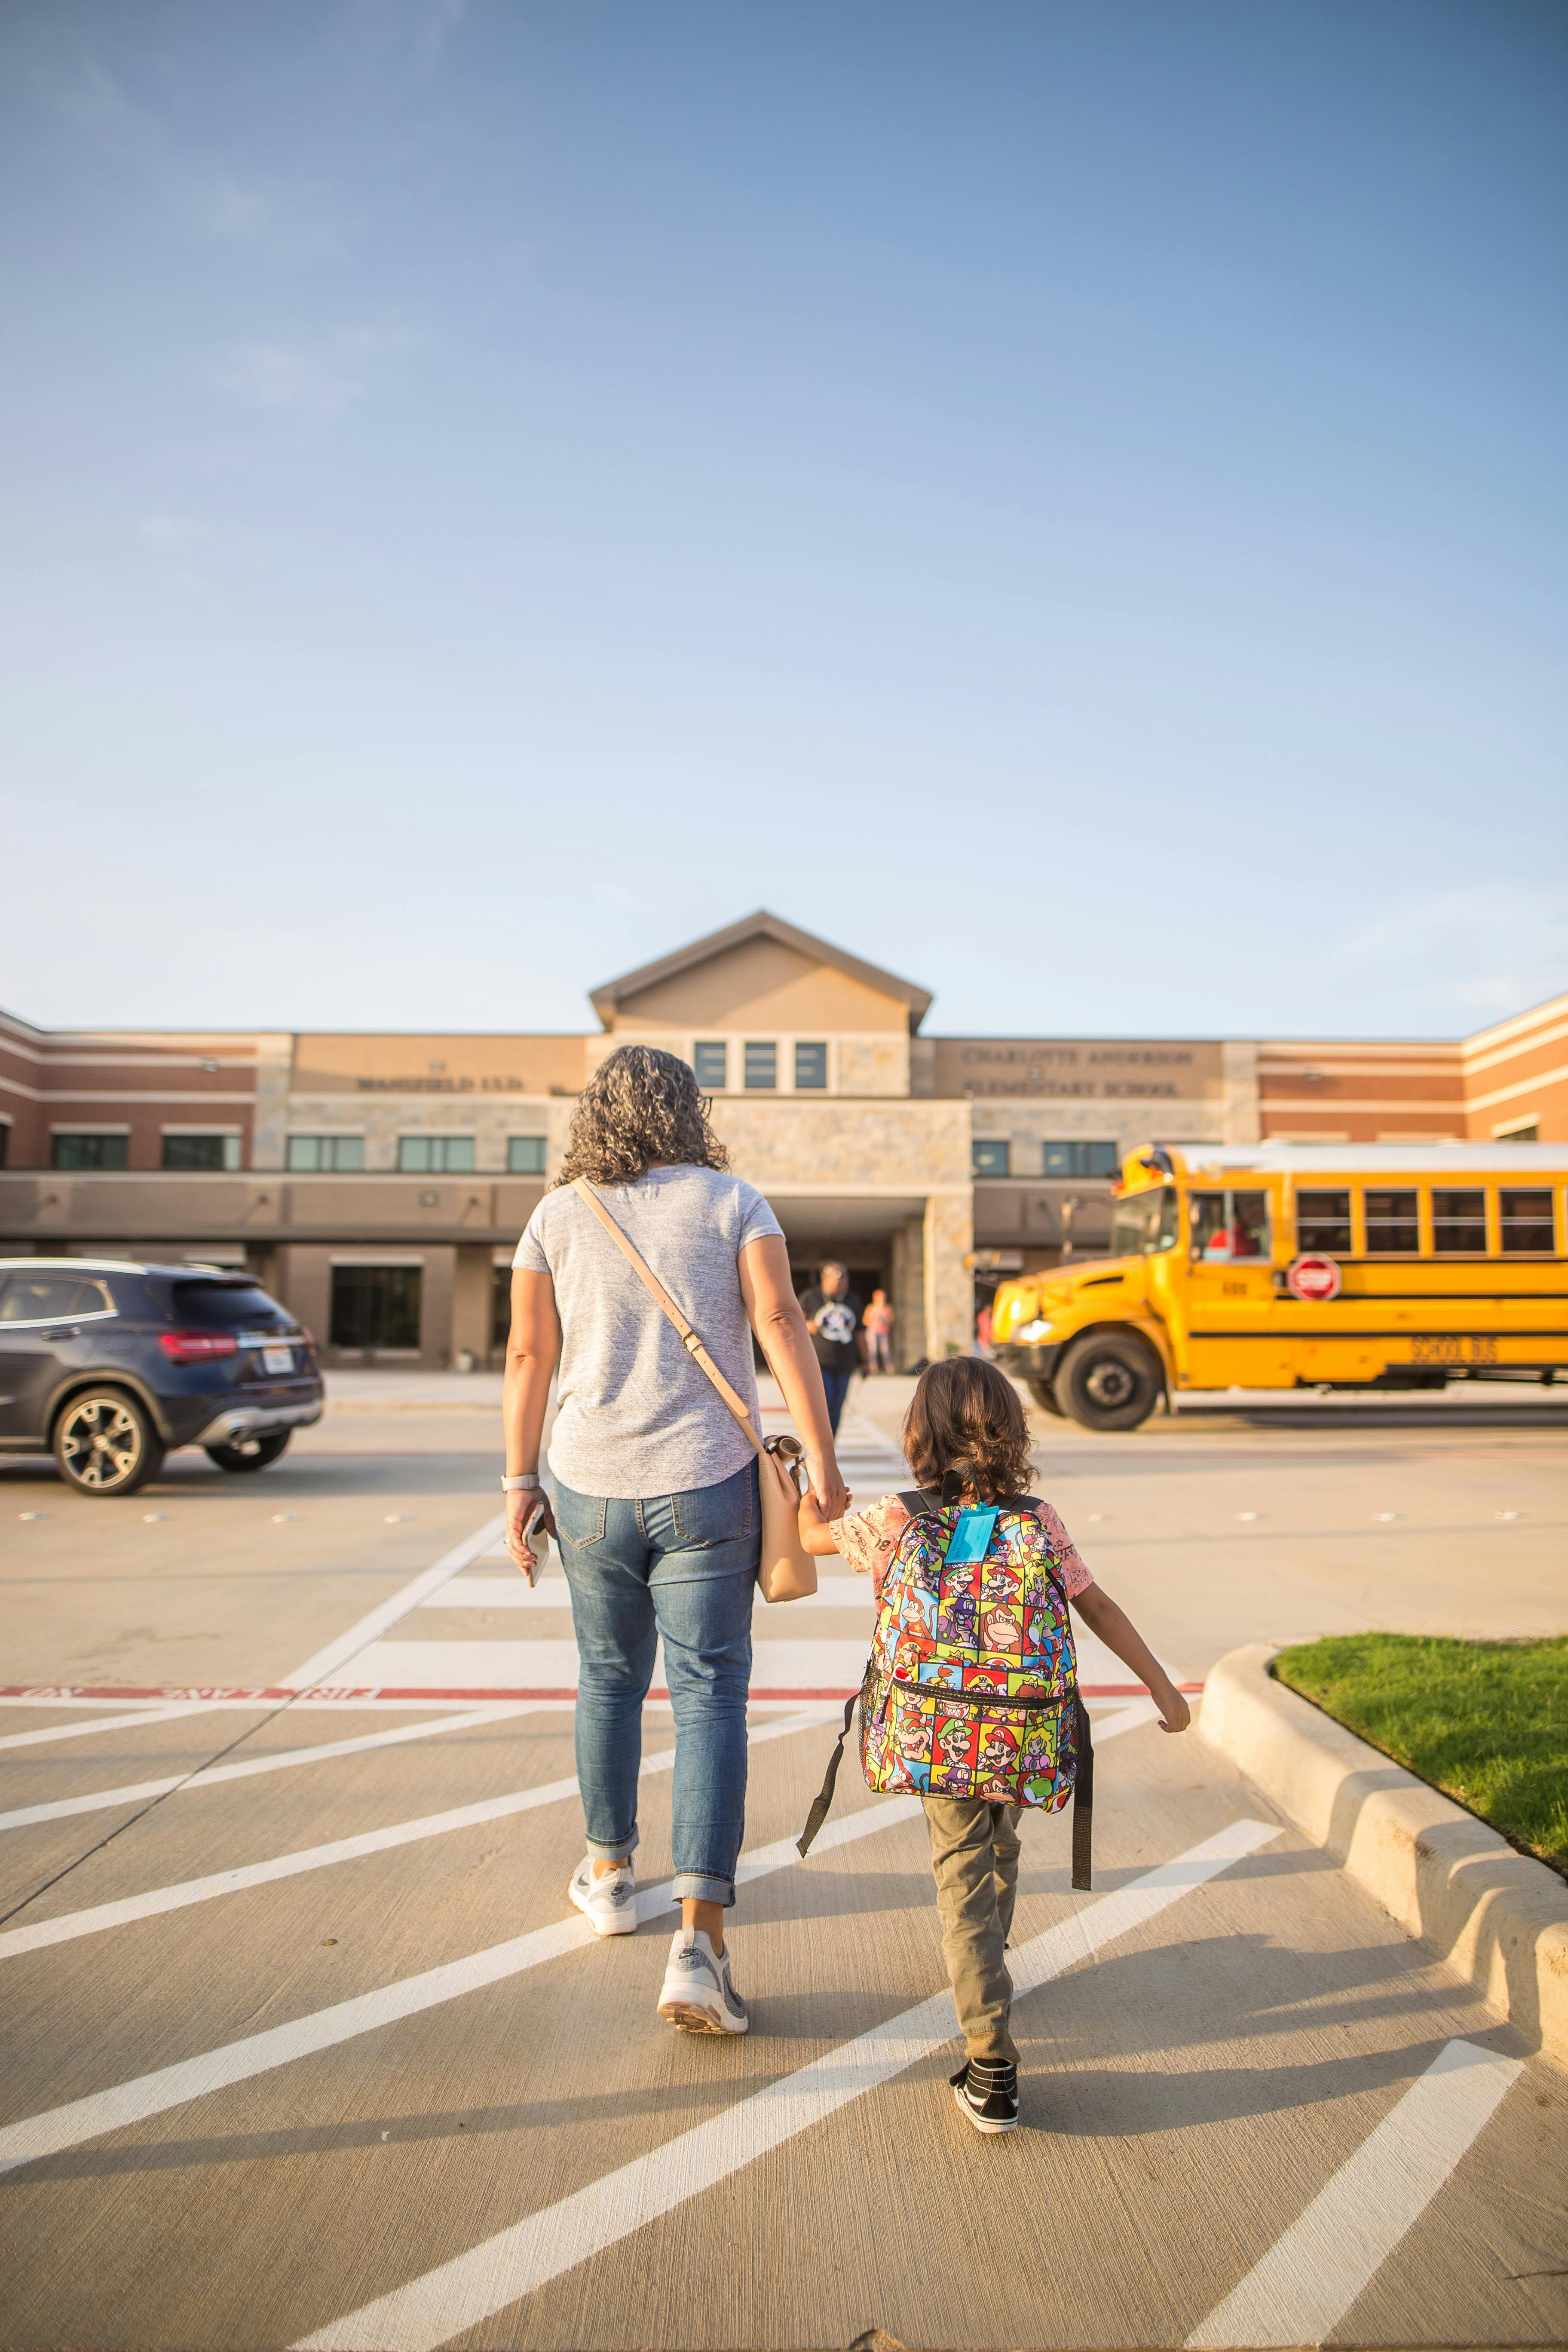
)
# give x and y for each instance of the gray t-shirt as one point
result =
(635, 1416)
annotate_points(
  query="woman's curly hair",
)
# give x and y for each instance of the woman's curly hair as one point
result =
(965, 1417)
(639, 1109)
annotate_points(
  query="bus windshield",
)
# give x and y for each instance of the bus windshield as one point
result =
(1145, 1223)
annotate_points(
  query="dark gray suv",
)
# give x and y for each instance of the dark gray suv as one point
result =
(109, 1364)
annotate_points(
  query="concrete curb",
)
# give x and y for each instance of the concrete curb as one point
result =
(1495, 1916)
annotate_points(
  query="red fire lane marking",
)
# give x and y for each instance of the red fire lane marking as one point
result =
(382, 1692)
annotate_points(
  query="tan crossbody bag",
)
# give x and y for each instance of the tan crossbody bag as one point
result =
(786, 1571)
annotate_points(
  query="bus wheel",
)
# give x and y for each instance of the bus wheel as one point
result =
(1107, 1381)
(1045, 1396)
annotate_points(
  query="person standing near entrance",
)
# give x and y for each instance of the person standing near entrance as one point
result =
(833, 1316)
(657, 1510)
(879, 1327)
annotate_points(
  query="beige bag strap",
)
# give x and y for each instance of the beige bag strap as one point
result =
(689, 1340)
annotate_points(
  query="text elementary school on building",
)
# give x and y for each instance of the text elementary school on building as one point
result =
(377, 1185)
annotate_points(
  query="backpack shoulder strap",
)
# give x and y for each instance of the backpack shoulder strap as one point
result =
(918, 1502)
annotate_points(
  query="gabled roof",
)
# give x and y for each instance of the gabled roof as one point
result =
(760, 926)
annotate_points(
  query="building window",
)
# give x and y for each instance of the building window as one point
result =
(323, 1155)
(201, 1151)
(710, 1060)
(500, 1305)
(1529, 1131)
(1459, 1224)
(4, 1138)
(1323, 1222)
(992, 1157)
(375, 1306)
(434, 1155)
(1393, 1229)
(810, 1067)
(1080, 1159)
(1527, 1221)
(525, 1155)
(761, 1065)
(89, 1151)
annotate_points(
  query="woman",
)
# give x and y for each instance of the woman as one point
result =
(658, 1511)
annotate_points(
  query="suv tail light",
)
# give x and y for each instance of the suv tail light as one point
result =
(197, 1347)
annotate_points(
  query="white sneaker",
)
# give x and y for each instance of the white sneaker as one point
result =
(610, 1901)
(697, 1994)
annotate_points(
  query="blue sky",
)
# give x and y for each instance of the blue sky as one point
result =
(1068, 501)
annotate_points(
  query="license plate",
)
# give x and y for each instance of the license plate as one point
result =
(277, 1359)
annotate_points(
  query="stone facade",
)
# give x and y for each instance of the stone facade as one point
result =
(929, 1164)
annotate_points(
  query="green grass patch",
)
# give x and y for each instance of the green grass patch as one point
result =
(1487, 1722)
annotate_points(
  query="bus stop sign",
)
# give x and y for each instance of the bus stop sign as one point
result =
(1314, 1278)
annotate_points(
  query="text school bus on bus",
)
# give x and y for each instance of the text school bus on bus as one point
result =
(1289, 1265)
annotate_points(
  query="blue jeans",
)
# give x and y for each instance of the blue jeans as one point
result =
(683, 1568)
(835, 1387)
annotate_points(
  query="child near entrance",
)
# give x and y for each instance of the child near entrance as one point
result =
(976, 1588)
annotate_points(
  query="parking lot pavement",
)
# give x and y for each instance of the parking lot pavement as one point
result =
(307, 2046)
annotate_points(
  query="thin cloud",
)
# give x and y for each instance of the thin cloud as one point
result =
(1471, 954)
(288, 220)
(168, 531)
(318, 380)
(408, 34)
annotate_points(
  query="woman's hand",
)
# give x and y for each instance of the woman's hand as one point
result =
(521, 1505)
(832, 1496)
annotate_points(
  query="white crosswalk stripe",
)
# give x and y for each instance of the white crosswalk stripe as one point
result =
(459, 2293)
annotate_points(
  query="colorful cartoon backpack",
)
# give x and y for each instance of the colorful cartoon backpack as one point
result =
(971, 1689)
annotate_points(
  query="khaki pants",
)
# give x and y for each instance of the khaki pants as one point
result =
(975, 1857)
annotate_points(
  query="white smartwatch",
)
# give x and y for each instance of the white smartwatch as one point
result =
(510, 1486)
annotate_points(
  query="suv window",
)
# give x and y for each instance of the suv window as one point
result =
(228, 1307)
(49, 1297)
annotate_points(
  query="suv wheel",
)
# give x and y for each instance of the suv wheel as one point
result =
(105, 1445)
(1107, 1381)
(251, 1454)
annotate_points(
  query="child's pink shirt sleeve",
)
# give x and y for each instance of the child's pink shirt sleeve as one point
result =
(868, 1538)
(1076, 1577)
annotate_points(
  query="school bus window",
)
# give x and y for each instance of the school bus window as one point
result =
(1393, 1229)
(1459, 1224)
(1144, 1225)
(1527, 1221)
(1227, 1226)
(1323, 1222)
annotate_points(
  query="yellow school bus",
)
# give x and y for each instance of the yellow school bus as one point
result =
(1277, 1265)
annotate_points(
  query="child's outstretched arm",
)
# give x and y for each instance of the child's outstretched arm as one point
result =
(816, 1535)
(1122, 1637)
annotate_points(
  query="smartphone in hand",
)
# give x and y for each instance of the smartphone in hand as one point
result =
(538, 1542)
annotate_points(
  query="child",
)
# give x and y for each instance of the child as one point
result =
(965, 1426)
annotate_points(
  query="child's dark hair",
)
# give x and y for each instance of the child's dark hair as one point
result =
(965, 1416)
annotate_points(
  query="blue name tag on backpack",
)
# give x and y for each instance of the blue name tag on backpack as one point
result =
(971, 1538)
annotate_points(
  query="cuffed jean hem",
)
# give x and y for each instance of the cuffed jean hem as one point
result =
(693, 1887)
(614, 1853)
